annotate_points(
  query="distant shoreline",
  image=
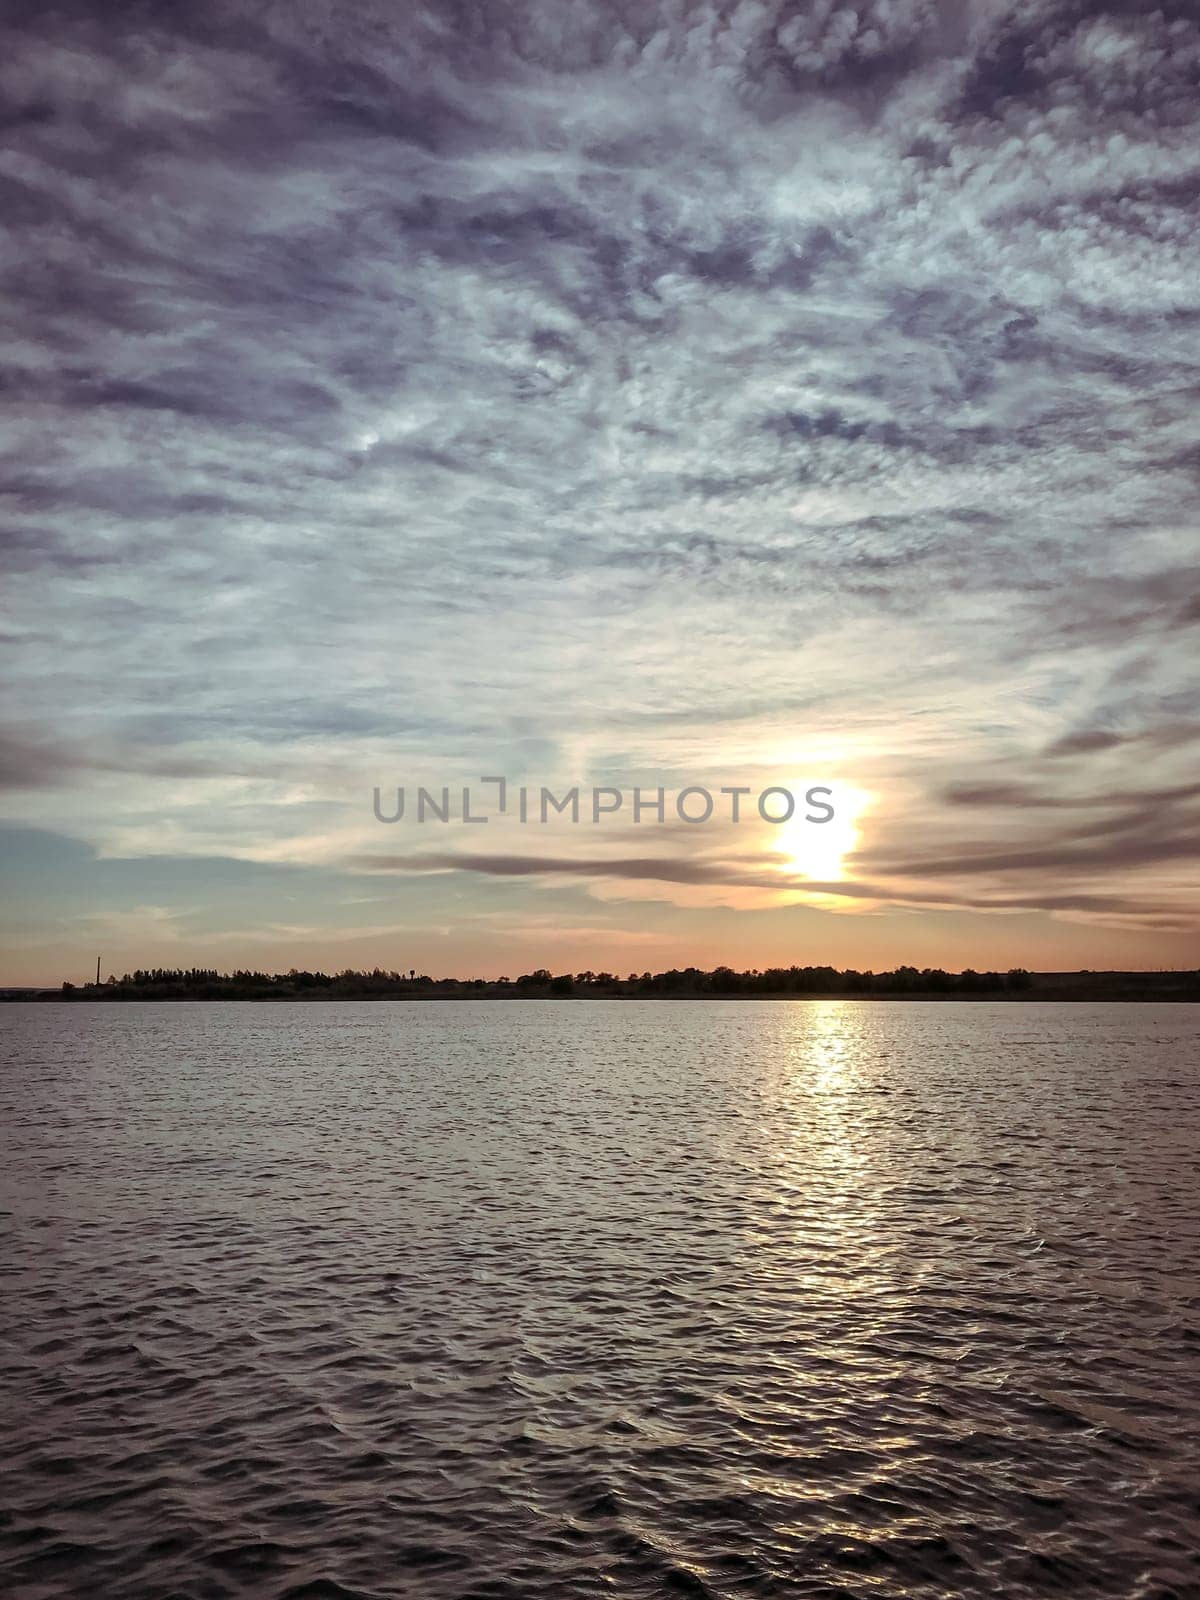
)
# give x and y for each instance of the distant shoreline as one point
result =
(904, 984)
(1157, 997)
(1096, 996)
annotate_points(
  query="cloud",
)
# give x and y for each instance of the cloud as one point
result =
(995, 883)
(659, 869)
(1082, 743)
(28, 764)
(606, 387)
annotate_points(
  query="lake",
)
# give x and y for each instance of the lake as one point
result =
(579, 1298)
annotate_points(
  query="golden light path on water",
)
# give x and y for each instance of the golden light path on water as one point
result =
(842, 1254)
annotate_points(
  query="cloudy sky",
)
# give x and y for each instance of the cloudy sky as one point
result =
(602, 393)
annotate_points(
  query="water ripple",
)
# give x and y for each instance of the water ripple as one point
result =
(815, 1299)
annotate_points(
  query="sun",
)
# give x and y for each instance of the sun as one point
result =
(817, 850)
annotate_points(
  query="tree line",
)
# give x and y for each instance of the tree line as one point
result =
(203, 983)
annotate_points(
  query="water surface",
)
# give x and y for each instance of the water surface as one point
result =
(582, 1298)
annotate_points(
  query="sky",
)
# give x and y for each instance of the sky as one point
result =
(753, 394)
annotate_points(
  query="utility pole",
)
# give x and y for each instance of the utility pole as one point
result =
(97, 972)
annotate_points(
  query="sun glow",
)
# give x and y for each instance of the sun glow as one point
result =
(817, 850)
